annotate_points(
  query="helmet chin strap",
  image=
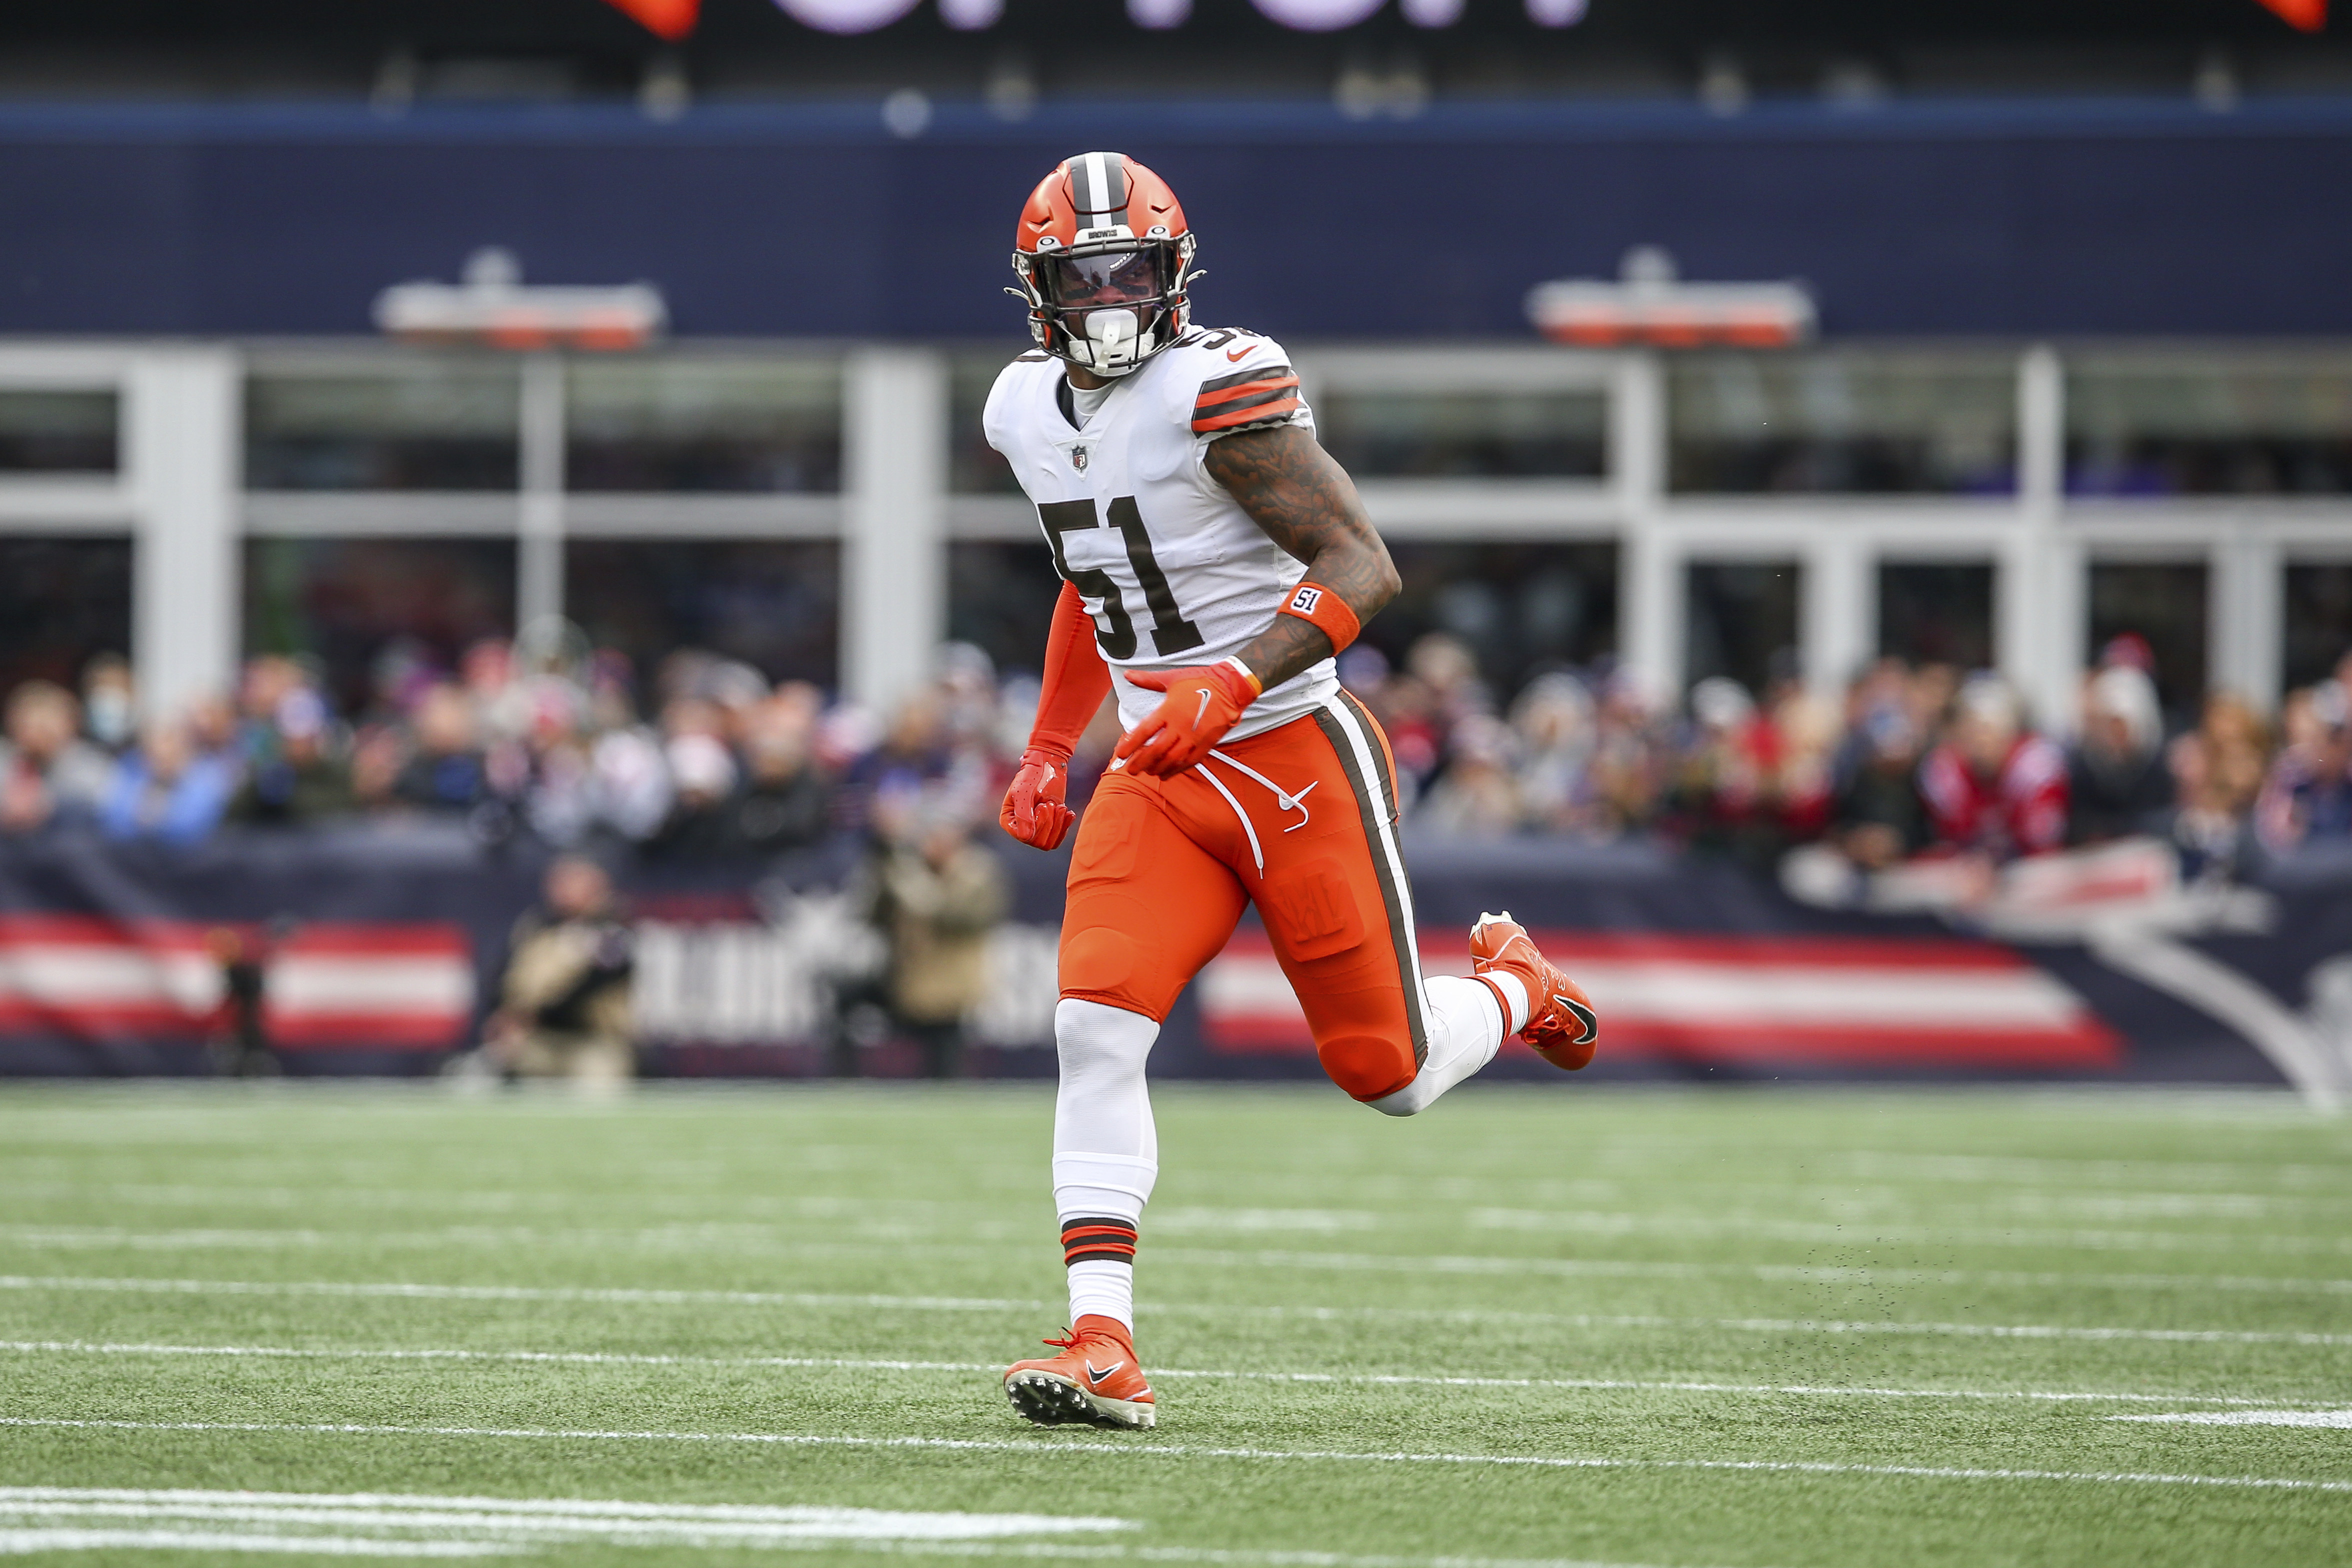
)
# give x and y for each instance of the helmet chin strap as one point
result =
(1111, 340)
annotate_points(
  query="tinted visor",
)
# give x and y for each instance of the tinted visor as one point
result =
(1108, 278)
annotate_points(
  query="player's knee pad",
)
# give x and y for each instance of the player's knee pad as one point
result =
(1097, 1042)
(1369, 1066)
(1411, 1101)
(1097, 963)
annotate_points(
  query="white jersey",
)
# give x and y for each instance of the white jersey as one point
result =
(1169, 566)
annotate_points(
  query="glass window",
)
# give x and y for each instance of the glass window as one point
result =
(59, 432)
(774, 604)
(1519, 608)
(1742, 621)
(2318, 621)
(975, 468)
(1449, 435)
(394, 422)
(2165, 603)
(740, 424)
(2161, 424)
(1938, 612)
(1001, 597)
(1848, 422)
(372, 612)
(62, 600)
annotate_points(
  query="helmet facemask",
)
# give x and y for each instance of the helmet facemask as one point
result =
(1110, 301)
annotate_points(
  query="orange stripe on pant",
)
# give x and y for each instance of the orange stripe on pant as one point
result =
(1300, 821)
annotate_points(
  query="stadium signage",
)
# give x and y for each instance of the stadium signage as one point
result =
(494, 306)
(1650, 305)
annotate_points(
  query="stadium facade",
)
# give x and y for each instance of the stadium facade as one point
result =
(2074, 374)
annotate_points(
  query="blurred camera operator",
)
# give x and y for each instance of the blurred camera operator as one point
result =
(564, 1008)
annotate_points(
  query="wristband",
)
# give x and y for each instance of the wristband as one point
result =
(1325, 610)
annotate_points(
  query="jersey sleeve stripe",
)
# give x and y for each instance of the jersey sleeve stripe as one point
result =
(1272, 413)
(1236, 397)
(1251, 402)
(1245, 377)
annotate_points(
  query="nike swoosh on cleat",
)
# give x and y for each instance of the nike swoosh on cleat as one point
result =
(1584, 1015)
(1093, 1376)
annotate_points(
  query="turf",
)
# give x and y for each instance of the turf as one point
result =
(1767, 1327)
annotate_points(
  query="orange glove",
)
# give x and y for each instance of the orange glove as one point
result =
(1077, 680)
(1033, 809)
(1201, 704)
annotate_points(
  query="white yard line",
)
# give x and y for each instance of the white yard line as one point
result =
(638, 1523)
(487, 1526)
(1563, 1268)
(1578, 1268)
(1862, 1208)
(394, 1290)
(1868, 1232)
(19, 1541)
(1147, 1448)
(514, 1293)
(1436, 1380)
(2339, 1418)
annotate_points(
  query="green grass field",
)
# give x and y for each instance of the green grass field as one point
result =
(1569, 1325)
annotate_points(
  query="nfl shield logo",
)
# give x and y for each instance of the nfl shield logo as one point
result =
(1079, 458)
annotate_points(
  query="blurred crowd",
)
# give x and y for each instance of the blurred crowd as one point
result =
(1916, 761)
(703, 757)
(713, 758)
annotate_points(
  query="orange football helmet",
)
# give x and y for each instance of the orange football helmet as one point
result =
(1103, 259)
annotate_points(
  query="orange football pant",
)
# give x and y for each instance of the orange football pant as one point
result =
(1300, 821)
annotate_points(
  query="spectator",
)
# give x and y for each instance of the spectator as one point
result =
(1628, 758)
(701, 819)
(564, 1008)
(444, 772)
(936, 898)
(1552, 724)
(2308, 794)
(46, 771)
(1993, 788)
(1477, 797)
(110, 704)
(2117, 781)
(1877, 817)
(300, 777)
(166, 790)
(787, 804)
(1725, 788)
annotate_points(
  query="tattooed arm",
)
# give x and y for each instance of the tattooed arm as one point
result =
(1307, 504)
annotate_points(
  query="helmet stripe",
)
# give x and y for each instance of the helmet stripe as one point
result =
(1115, 186)
(1099, 189)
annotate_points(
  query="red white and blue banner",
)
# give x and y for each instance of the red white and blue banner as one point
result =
(378, 949)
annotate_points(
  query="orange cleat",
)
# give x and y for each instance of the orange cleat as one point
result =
(1094, 1379)
(1561, 1025)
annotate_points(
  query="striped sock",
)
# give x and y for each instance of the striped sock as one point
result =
(1099, 1251)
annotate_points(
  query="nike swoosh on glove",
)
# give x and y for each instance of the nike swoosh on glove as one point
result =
(1034, 811)
(1201, 704)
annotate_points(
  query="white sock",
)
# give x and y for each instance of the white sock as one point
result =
(1465, 1029)
(1106, 1149)
(1103, 1289)
(1516, 989)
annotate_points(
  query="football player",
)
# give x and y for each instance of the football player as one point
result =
(1214, 561)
